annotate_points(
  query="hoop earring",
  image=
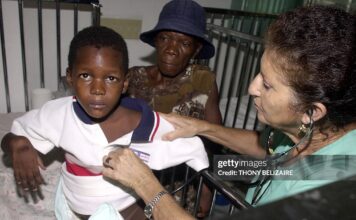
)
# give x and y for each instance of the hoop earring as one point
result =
(302, 130)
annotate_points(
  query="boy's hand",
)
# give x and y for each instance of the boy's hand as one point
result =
(26, 163)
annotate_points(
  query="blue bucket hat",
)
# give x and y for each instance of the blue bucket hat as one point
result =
(184, 16)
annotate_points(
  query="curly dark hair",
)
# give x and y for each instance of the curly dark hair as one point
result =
(315, 49)
(98, 36)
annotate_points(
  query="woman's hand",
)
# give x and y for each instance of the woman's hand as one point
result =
(26, 163)
(184, 126)
(125, 167)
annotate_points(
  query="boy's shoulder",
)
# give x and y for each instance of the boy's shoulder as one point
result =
(56, 105)
(61, 100)
(135, 104)
(151, 126)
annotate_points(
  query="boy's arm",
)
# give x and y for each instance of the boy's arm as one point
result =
(5, 143)
(25, 162)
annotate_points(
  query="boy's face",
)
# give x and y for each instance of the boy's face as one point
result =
(97, 79)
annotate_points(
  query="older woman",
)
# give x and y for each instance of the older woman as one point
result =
(173, 84)
(306, 88)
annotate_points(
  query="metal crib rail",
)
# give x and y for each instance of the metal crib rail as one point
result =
(40, 4)
(235, 196)
(237, 36)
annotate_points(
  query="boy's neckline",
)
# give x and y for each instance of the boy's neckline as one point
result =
(144, 132)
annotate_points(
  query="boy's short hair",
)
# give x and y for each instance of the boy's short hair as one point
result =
(98, 36)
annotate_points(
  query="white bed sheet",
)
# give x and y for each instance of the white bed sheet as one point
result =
(12, 207)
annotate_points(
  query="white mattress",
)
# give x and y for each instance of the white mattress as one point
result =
(14, 207)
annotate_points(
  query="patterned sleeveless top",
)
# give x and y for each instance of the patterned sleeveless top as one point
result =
(186, 95)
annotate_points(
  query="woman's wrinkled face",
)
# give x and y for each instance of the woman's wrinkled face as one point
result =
(97, 79)
(174, 50)
(273, 97)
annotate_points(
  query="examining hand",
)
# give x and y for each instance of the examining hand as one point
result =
(26, 163)
(184, 126)
(124, 166)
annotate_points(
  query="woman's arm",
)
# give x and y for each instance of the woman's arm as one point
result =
(239, 140)
(212, 111)
(124, 166)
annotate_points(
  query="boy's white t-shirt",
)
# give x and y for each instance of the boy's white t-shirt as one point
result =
(63, 123)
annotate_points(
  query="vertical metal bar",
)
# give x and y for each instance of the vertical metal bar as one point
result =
(240, 23)
(228, 44)
(40, 42)
(265, 7)
(212, 206)
(252, 25)
(255, 8)
(58, 39)
(258, 27)
(256, 123)
(210, 34)
(258, 64)
(234, 75)
(4, 62)
(223, 73)
(218, 47)
(172, 178)
(241, 84)
(248, 79)
(23, 54)
(197, 199)
(273, 10)
(283, 7)
(278, 6)
(185, 189)
(96, 14)
(75, 9)
(231, 209)
(243, 5)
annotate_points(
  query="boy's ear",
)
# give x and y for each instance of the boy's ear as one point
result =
(69, 77)
(126, 86)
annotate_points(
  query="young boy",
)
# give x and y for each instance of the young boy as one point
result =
(95, 121)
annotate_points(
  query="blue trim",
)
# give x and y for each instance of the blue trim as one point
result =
(144, 129)
(79, 111)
